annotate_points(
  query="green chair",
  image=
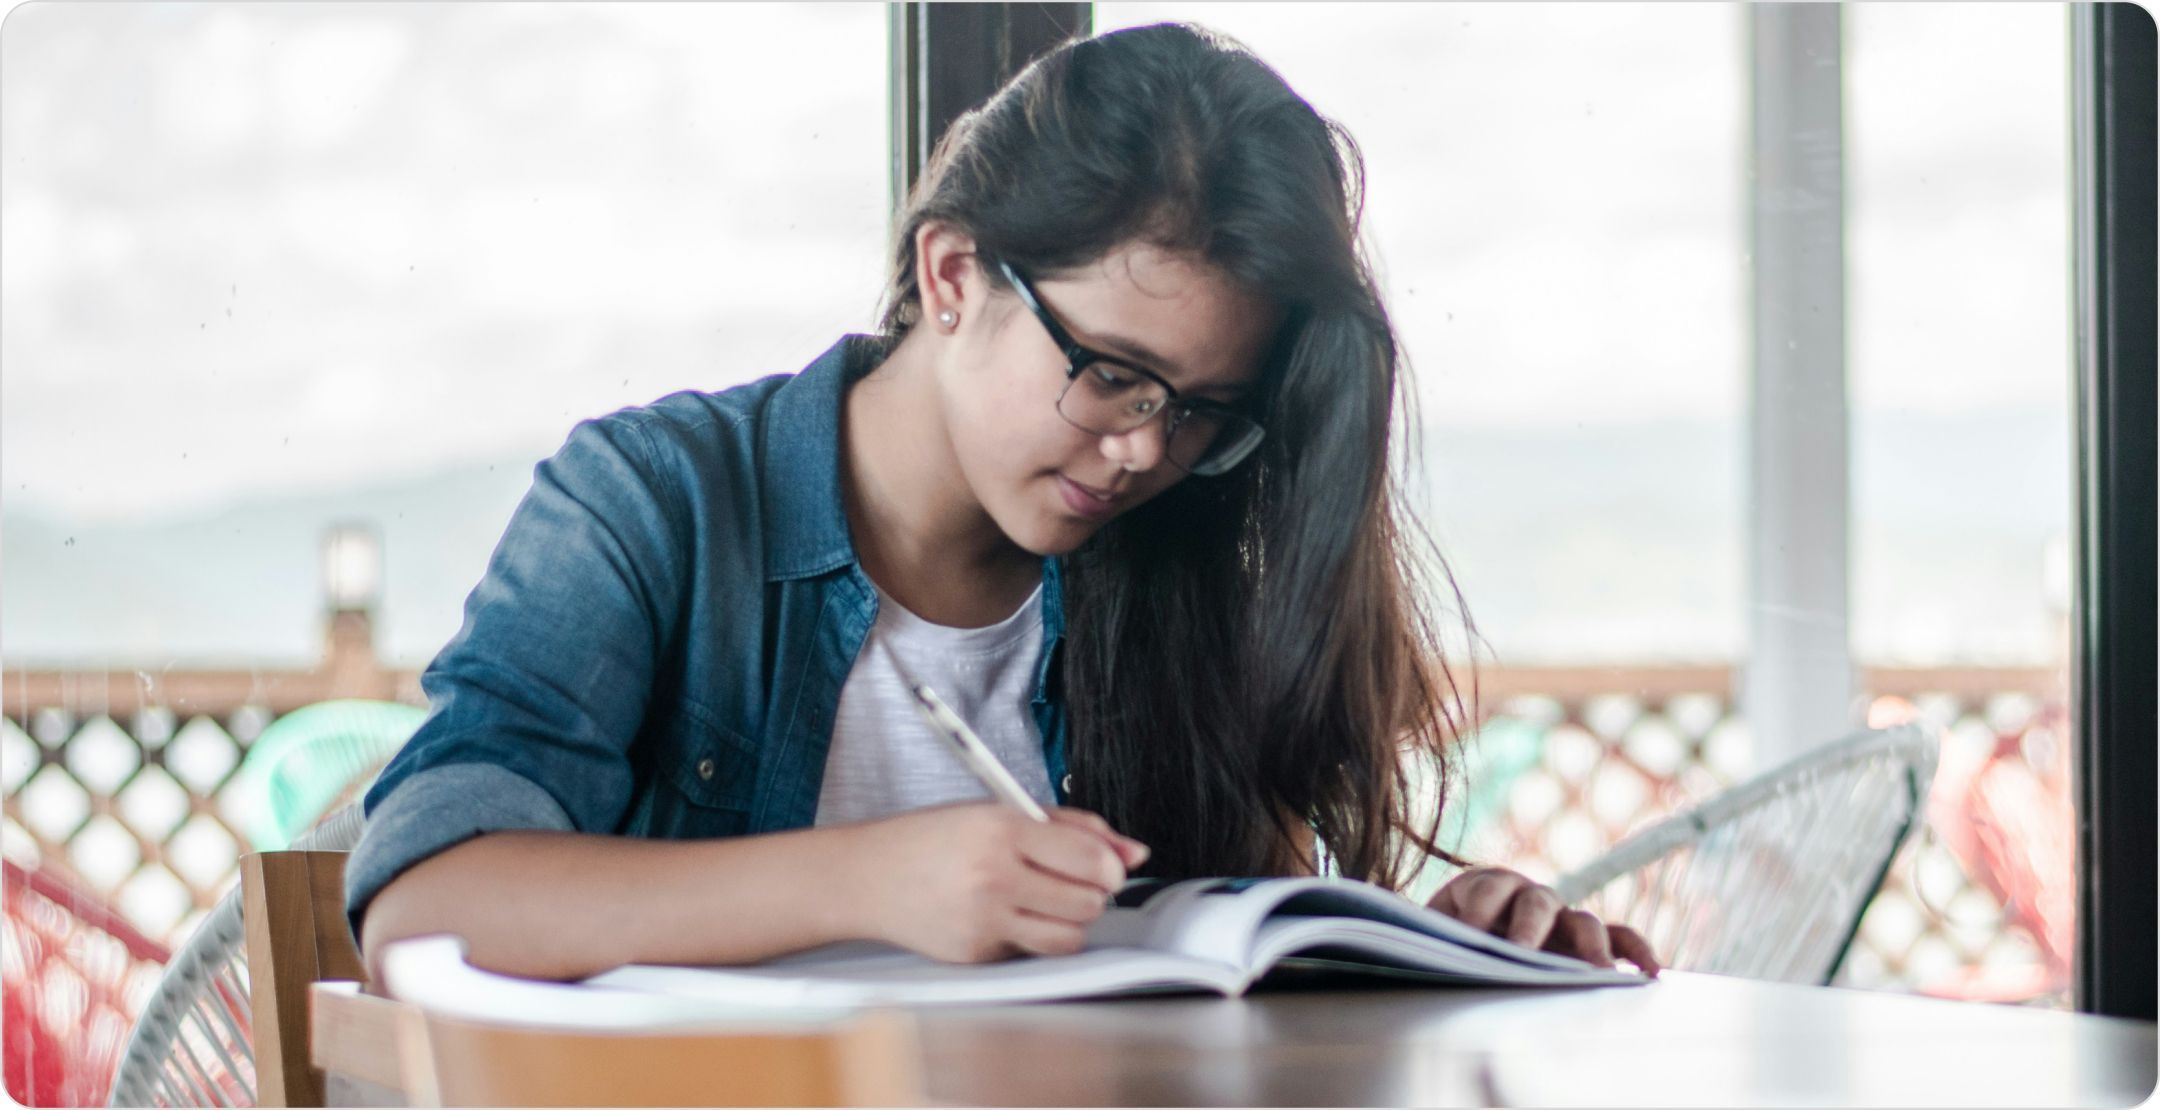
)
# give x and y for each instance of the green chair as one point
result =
(1501, 750)
(311, 759)
(1495, 756)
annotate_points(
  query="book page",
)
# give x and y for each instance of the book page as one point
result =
(1351, 944)
(1363, 900)
(1206, 919)
(1247, 921)
(431, 971)
(874, 974)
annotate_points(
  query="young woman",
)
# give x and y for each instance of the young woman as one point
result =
(1114, 479)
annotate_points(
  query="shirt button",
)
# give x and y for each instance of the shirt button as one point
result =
(1066, 784)
(705, 769)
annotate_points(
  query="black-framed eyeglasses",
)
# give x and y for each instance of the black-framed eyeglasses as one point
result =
(1106, 395)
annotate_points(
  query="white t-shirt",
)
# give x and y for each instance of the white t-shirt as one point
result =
(884, 760)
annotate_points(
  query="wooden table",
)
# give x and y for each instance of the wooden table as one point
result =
(1687, 1040)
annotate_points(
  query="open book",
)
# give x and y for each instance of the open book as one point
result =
(1219, 935)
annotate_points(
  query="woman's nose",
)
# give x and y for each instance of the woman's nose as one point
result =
(1138, 450)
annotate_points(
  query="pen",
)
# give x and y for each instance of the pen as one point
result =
(973, 751)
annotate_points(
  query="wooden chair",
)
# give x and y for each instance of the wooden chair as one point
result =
(299, 946)
(870, 1061)
(194, 1042)
(297, 935)
(475, 1038)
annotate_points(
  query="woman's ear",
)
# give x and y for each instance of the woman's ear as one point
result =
(948, 276)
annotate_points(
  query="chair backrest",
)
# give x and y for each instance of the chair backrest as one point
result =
(868, 1061)
(297, 935)
(70, 972)
(1769, 879)
(194, 1043)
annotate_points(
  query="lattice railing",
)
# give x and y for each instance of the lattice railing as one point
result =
(135, 806)
(124, 779)
(136, 799)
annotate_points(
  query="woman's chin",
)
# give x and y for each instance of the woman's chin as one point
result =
(1051, 544)
(1050, 534)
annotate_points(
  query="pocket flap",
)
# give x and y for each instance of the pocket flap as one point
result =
(711, 764)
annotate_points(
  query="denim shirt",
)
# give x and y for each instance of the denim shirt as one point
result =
(658, 644)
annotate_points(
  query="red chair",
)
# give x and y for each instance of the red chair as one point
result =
(2009, 820)
(73, 975)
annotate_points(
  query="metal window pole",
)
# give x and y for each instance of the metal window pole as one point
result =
(950, 57)
(1797, 685)
(2112, 659)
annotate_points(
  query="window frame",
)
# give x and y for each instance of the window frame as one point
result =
(2113, 440)
(948, 58)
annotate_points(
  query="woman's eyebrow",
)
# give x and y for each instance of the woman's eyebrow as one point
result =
(1224, 394)
(1143, 354)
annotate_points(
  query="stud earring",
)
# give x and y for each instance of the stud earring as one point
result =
(949, 318)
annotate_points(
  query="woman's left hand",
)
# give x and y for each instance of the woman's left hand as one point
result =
(1507, 904)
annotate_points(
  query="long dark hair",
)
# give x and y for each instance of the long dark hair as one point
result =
(1257, 651)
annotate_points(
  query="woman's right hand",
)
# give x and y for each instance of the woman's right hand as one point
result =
(982, 881)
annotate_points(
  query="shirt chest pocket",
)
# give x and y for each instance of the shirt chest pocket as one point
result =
(707, 779)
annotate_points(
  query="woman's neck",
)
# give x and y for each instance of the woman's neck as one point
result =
(919, 531)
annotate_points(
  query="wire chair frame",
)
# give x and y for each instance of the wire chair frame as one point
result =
(1770, 879)
(193, 1044)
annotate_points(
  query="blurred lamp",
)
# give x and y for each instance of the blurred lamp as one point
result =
(352, 567)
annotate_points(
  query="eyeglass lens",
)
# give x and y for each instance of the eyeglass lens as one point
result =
(1107, 398)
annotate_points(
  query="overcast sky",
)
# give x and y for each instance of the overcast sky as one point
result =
(268, 249)
(275, 245)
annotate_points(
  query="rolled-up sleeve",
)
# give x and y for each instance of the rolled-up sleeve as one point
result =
(536, 700)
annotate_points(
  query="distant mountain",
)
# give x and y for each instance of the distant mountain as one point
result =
(1591, 543)
(1626, 543)
(243, 584)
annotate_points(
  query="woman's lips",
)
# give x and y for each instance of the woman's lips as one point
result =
(1085, 500)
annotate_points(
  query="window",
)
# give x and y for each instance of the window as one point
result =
(1560, 204)
(274, 269)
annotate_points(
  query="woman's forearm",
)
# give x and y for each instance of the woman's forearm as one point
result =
(557, 905)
